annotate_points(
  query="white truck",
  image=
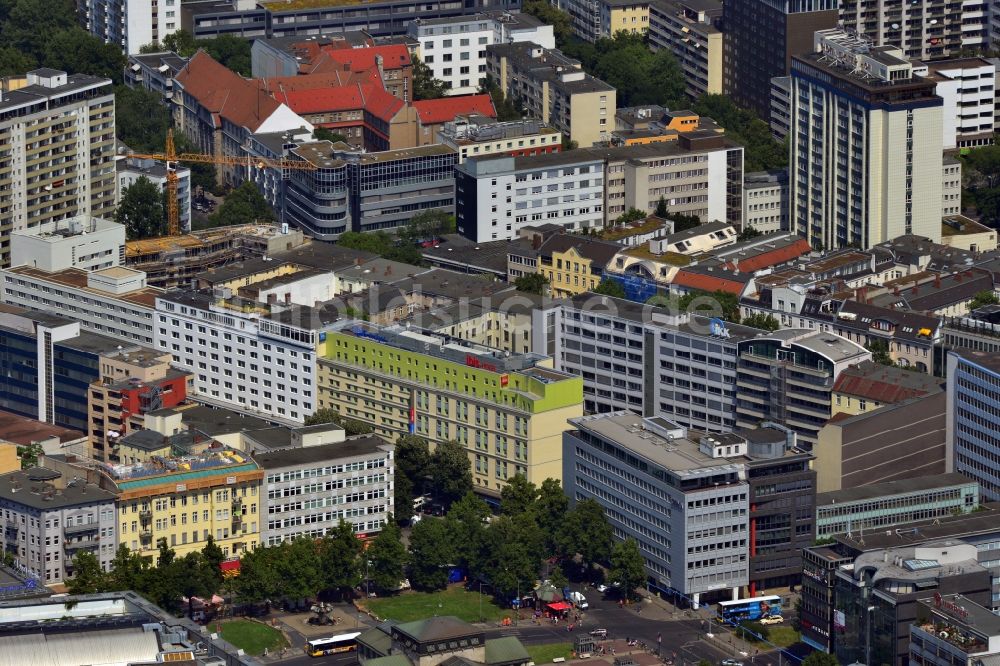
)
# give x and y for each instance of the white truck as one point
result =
(579, 600)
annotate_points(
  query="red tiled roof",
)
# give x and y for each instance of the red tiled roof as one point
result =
(707, 282)
(775, 257)
(884, 384)
(224, 93)
(394, 56)
(380, 103)
(307, 81)
(443, 110)
(340, 98)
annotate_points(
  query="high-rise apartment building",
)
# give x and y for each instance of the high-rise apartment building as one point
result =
(923, 29)
(866, 143)
(761, 36)
(972, 414)
(508, 410)
(131, 24)
(57, 136)
(690, 30)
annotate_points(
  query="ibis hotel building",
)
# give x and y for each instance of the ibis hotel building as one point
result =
(508, 410)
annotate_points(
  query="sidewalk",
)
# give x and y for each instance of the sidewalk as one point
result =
(722, 636)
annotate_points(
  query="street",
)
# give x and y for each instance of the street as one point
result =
(681, 633)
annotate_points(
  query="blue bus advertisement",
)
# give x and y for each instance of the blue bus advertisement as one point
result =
(744, 610)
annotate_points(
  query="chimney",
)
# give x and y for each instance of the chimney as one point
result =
(937, 281)
(357, 261)
(915, 289)
(895, 290)
(536, 242)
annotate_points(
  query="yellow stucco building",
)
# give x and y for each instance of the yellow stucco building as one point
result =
(628, 16)
(574, 264)
(184, 500)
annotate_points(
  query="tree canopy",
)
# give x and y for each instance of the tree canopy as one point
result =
(141, 120)
(142, 210)
(388, 557)
(37, 33)
(712, 304)
(507, 109)
(628, 566)
(760, 150)
(561, 21)
(982, 298)
(610, 287)
(451, 472)
(229, 50)
(531, 283)
(323, 134)
(425, 86)
(244, 205)
(431, 551)
(382, 244)
(761, 320)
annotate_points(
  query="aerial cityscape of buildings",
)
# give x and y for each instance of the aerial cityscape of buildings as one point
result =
(723, 273)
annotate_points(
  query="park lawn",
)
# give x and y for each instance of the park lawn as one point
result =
(456, 600)
(253, 637)
(544, 654)
(782, 636)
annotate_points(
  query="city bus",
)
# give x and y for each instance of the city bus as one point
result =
(742, 610)
(332, 645)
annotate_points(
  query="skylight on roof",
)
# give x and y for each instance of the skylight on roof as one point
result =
(920, 565)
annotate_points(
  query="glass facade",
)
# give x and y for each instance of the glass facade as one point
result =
(974, 404)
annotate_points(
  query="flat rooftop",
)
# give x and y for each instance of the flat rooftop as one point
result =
(77, 279)
(41, 488)
(985, 521)
(212, 422)
(352, 447)
(892, 488)
(680, 455)
(214, 460)
(23, 430)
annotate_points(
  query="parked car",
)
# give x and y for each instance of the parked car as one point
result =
(772, 619)
(730, 662)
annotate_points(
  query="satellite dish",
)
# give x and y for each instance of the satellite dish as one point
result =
(895, 26)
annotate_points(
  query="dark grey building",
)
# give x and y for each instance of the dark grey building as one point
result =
(275, 19)
(761, 36)
(50, 518)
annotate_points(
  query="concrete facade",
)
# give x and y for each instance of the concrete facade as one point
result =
(87, 243)
(690, 31)
(973, 409)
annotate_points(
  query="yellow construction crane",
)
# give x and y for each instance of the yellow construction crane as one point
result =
(170, 158)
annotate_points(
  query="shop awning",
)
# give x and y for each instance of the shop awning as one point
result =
(560, 606)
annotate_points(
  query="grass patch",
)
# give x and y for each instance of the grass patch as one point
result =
(457, 601)
(782, 636)
(544, 654)
(253, 637)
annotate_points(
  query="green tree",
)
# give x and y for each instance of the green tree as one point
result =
(518, 496)
(761, 320)
(628, 566)
(323, 415)
(466, 521)
(339, 553)
(427, 224)
(559, 579)
(413, 460)
(231, 51)
(747, 233)
(507, 109)
(388, 556)
(639, 75)
(750, 631)
(985, 163)
(402, 493)
(561, 21)
(127, 570)
(259, 579)
(78, 52)
(531, 283)
(28, 25)
(141, 210)
(244, 205)
(880, 351)
(983, 298)
(181, 42)
(761, 151)
(550, 511)
(684, 222)
(323, 134)
(820, 659)
(88, 577)
(712, 304)
(300, 568)
(141, 120)
(451, 472)
(382, 244)
(610, 287)
(431, 551)
(631, 215)
(425, 86)
(587, 532)
(212, 557)
(661, 208)
(14, 62)
(507, 560)
(29, 455)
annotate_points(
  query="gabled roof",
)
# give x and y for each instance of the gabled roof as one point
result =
(440, 628)
(722, 281)
(368, 97)
(224, 93)
(884, 384)
(599, 252)
(394, 56)
(443, 110)
(775, 257)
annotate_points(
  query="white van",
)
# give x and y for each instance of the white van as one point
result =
(579, 600)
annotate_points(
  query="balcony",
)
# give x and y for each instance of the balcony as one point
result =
(71, 546)
(81, 529)
(237, 503)
(237, 518)
(145, 515)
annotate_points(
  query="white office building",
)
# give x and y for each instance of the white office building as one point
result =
(114, 301)
(496, 198)
(455, 48)
(246, 356)
(130, 170)
(683, 496)
(968, 88)
(922, 29)
(310, 489)
(765, 201)
(131, 24)
(84, 242)
(866, 145)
